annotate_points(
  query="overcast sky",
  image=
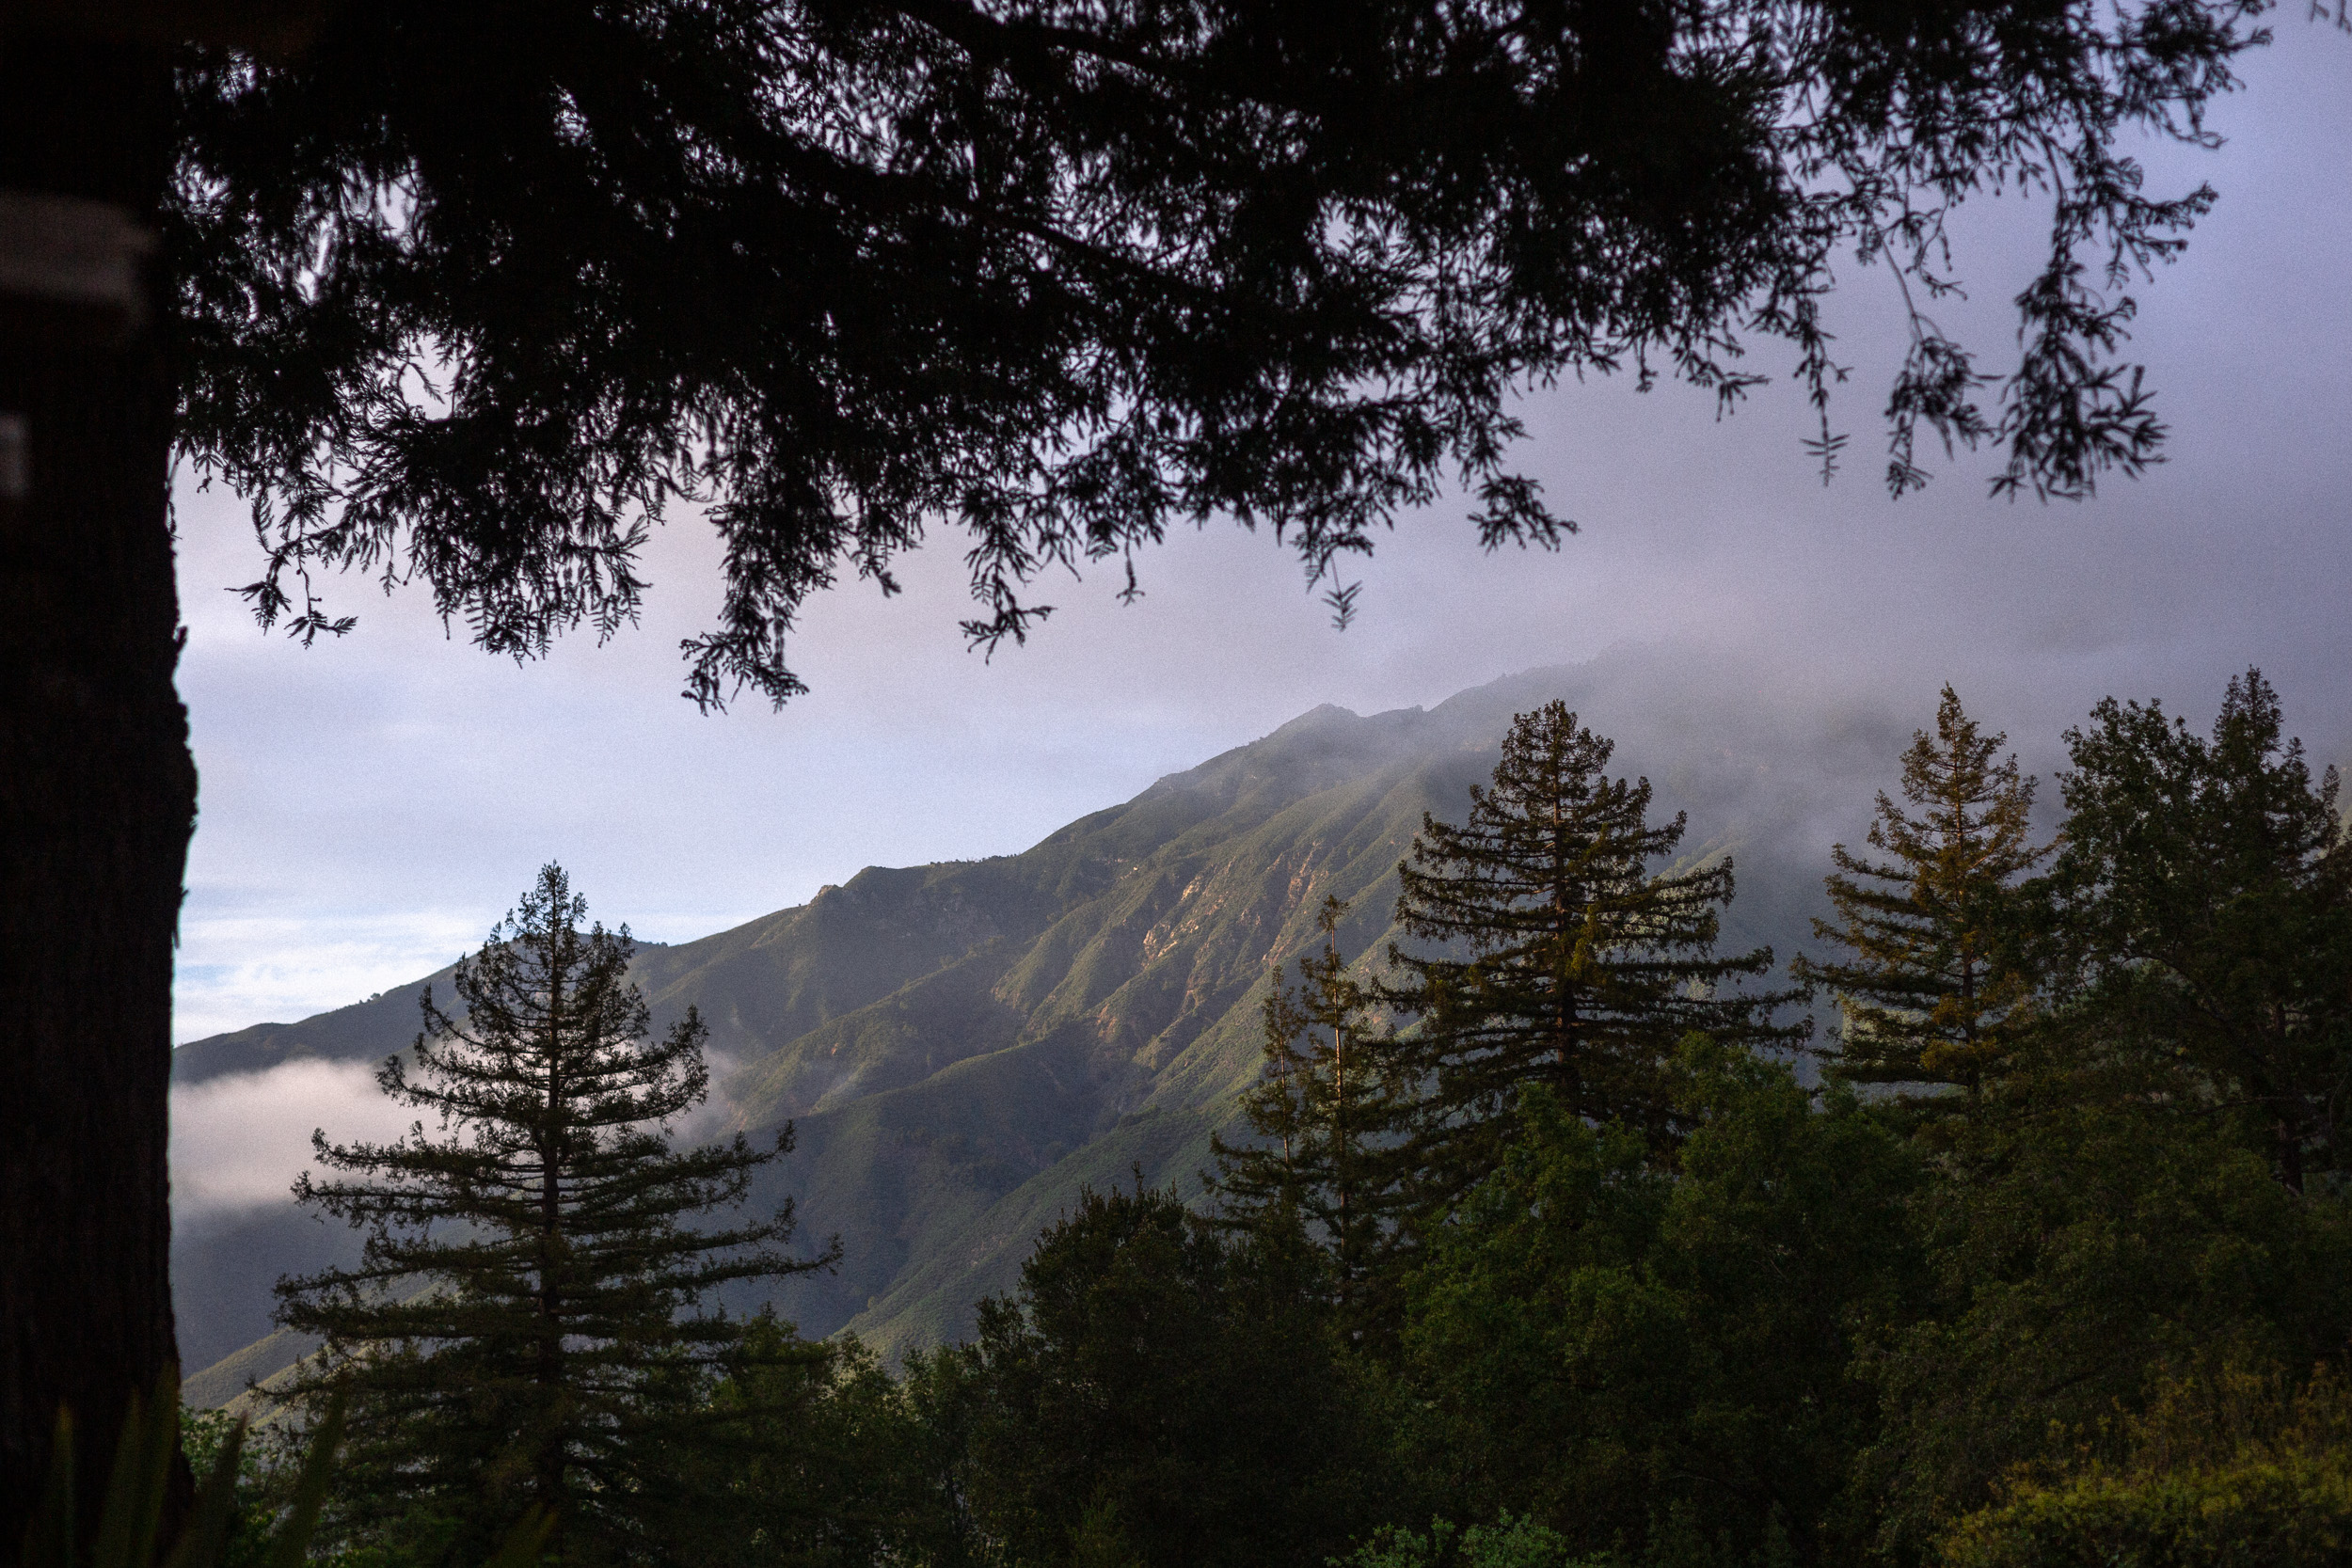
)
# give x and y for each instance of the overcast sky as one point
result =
(370, 806)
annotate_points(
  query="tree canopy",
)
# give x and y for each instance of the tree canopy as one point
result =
(2205, 888)
(1660, 1360)
(471, 292)
(1155, 1393)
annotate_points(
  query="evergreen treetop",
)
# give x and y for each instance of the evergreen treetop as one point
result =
(520, 1330)
(1560, 957)
(1933, 989)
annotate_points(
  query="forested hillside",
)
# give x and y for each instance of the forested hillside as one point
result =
(962, 1046)
(1182, 1218)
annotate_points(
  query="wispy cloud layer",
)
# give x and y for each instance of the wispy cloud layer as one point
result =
(262, 957)
(237, 1143)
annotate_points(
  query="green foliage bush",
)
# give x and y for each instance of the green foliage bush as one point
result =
(237, 1518)
(2262, 1513)
(1510, 1544)
(210, 1437)
(2194, 1491)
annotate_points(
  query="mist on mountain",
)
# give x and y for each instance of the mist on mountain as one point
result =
(963, 1045)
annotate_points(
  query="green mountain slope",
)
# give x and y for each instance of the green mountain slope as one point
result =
(961, 1046)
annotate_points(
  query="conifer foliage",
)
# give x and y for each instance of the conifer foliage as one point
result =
(518, 1332)
(2205, 888)
(1068, 274)
(1559, 958)
(1327, 1112)
(1931, 991)
(1154, 1395)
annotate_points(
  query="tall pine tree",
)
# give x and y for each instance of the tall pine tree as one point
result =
(1329, 1113)
(1932, 990)
(1560, 957)
(518, 1332)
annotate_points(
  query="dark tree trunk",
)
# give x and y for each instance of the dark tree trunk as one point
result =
(97, 788)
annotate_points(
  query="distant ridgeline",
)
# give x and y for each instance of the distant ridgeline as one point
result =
(965, 1045)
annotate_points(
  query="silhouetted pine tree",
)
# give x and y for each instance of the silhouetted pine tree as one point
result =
(1932, 990)
(1560, 959)
(517, 1332)
(1329, 1113)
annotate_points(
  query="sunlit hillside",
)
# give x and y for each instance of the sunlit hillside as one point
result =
(962, 1046)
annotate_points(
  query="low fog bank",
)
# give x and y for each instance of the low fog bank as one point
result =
(237, 1142)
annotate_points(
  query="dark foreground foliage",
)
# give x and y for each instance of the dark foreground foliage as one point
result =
(1159, 1393)
(471, 293)
(244, 1515)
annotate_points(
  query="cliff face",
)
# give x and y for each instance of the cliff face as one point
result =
(961, 1046)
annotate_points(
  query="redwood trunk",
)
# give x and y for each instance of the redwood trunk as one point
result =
(97, 788)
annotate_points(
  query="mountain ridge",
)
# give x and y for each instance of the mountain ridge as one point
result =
(963, 1045)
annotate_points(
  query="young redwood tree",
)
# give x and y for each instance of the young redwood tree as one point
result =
(517, 1332)
(1560, 957)
(1933, 989)
(1329, 1114)
(467, 293)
